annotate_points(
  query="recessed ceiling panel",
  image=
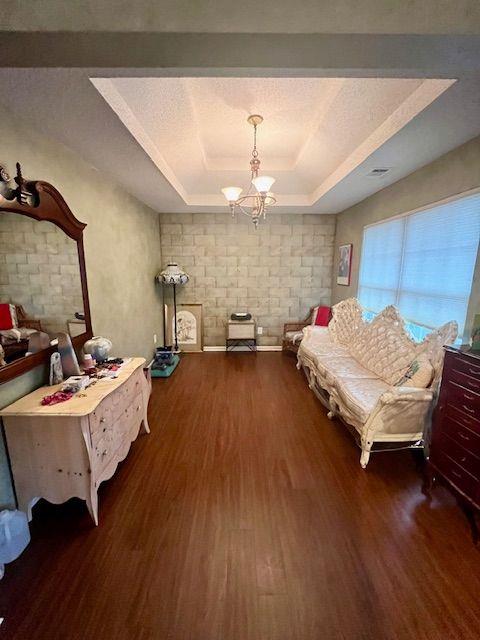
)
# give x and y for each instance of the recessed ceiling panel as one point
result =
(316, 131)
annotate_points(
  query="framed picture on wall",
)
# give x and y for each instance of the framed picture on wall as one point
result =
(189, 327)
(344, 264)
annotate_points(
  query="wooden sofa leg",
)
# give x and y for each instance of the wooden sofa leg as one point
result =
(365, 457)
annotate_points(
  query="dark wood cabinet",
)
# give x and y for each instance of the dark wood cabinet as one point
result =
(455, 445)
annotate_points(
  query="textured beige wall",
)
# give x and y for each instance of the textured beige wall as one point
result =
(121, 250)
(276, 273)
(453, 173)
(39, 269)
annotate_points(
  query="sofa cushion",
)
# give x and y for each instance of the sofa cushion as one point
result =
(360, 395)
(317, 341)
(334, 368)
(384, 347)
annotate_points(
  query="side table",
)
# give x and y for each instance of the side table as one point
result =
(241, 333)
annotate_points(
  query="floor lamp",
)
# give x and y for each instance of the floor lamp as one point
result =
(173, 275)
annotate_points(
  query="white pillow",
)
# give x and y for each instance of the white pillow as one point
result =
(419, 374)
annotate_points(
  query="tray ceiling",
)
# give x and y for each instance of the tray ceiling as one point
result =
(315, 133)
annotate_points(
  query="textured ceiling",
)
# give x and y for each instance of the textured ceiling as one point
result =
(316, 130)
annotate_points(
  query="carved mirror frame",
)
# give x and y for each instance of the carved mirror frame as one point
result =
(41, 201)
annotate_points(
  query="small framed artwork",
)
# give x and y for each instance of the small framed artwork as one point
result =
(189, 327)
(344, 264)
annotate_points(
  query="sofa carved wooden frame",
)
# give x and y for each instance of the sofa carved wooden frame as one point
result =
(401, 416)
(41, 201)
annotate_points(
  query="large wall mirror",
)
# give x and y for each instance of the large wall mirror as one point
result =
(43, 286)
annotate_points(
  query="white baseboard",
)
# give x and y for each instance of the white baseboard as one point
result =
(259, 348)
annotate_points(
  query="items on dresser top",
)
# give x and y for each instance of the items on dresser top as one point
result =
(455, 447)
(58, 396)
(98, 347)
(67, 450)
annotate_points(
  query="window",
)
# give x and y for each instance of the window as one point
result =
(423, 263)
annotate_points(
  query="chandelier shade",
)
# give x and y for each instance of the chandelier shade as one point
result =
(263, 184)
(232, 193)
(255, 202)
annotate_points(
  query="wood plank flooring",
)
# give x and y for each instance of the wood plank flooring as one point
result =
(245, 515)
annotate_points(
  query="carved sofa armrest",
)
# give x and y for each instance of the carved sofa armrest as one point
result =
(406, 394)
(399, 415)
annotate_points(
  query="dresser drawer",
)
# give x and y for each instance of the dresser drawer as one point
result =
(465, 419)
(131, 417)
(465, 437)
(101, 417)
(454, 473)
(464, 399)
(463, 457)
(133, 386)
(462, 366)
(104, 446)
(465, 380)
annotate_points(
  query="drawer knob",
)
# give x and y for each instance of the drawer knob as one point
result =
(467, 397)
(455, 473)
(102, 419)
(468, 409)
(138, 407)
(464, 437)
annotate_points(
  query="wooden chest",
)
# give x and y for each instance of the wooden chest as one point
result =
(455, 447)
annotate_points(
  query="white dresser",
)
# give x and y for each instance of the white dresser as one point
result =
(67, 450)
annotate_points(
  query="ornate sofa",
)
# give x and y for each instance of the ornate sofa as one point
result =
(373, 375)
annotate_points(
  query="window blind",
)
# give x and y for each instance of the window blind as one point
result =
(423, 263)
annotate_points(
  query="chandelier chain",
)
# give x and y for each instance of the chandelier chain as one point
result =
(255, 152)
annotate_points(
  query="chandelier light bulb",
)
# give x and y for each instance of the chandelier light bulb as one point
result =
(263, 184)
(232, 193)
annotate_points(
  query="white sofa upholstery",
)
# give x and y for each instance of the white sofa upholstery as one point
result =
(364, 372)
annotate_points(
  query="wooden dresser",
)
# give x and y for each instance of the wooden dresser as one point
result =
(455, 447)
(68, 449)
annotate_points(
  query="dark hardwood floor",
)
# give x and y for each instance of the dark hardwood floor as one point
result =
(245, 515)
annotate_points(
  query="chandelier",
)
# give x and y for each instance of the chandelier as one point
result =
(258, 196)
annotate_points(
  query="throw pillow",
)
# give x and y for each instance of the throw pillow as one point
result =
(419, 374)
(7, 319)
(323, 316)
